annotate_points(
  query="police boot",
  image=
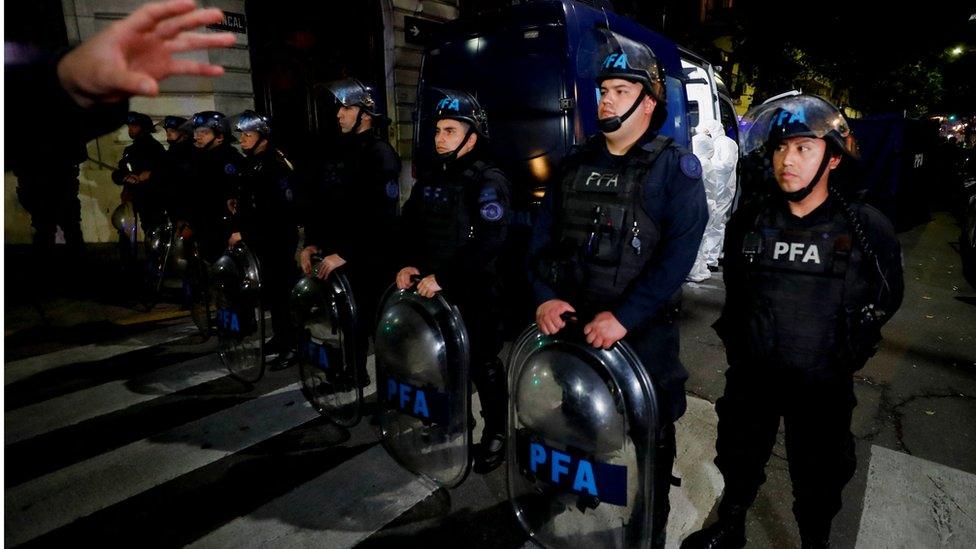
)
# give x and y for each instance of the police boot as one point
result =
(490, 381)
(729, 532)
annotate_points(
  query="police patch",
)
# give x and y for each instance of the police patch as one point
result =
(230, 169)
(392, 189)
(488, 194)
(492, 211)
(690, 166)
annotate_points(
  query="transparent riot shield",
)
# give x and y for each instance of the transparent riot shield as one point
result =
(239, 315)
(582, 427)
(126, 222)
(422, 357)
(325, 313)
(159, 243)
(184, 259)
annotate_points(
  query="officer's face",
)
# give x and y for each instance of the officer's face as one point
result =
(347, 118)
(205, 137)
(448, 136)
(249, 140)
(796, 161)
(134, 130)
(618, 95)
(173, 135)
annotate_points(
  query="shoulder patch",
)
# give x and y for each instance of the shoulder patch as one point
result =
(690, 166)
(488, 194)
(492, 211)
(230, 169)
(392, 189)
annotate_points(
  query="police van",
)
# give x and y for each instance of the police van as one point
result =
(532, 67)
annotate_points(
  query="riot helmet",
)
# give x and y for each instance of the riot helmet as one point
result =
(141, 121)
(172, 122)
(796, 114)
(632, 61)
(350, 92)
(463, 107)
(250, 121)
(214, 121)
(176, 128)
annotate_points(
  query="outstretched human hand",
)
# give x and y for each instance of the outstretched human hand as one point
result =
(133, 55)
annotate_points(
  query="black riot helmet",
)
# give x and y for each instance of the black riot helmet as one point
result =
(142, 120)
(634, 62)
(797, 115)
(463, 107)
(350, 92)
(174, 123)
(214, 120)
(250, 121)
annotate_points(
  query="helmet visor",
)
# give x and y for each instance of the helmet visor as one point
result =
(795, 116)
(350, 92)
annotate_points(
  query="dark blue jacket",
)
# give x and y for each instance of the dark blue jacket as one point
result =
(674, 197)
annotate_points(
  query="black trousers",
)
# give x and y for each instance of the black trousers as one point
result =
(51, 198)
(481, 313)
(279, 272)
(657, 345)
(819, 444)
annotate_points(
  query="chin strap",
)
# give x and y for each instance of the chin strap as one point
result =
(799, 195)
(612, 124)
(447, 158)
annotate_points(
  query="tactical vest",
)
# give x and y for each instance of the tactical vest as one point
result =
(603, 232)
(799, 280)
(446, 214)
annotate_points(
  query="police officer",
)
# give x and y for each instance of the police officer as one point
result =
(176, 165)
(810, 279)
(618, 234)
(350, 213)
(456, 221)
(211, 187)
(137, 172)
(266, 222)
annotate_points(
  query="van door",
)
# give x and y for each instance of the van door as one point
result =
(702, 92)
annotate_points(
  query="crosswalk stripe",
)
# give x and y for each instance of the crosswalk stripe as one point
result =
(73, 408)
(22, 369)
(63, 496)
(338, 509)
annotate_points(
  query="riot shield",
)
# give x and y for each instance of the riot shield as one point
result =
(239, 315)
(126, 222)
(325, 313)
(422, 357)
(582, 426)
(185, 260)
(159, 242)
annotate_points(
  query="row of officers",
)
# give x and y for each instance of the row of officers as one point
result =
(810, 277)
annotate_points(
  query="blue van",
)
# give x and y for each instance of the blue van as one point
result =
(532, 67)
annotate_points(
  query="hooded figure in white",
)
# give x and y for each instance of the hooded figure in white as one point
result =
(719, 155)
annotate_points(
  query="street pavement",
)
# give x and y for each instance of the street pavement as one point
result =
(123, 427)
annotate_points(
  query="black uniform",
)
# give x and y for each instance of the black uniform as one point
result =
(214, 180)
(144, 154)
(455, 225)
(619, 234)
(176, 168)
(795, 326)
(352, 212)
(47, 167)
(267, 222)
